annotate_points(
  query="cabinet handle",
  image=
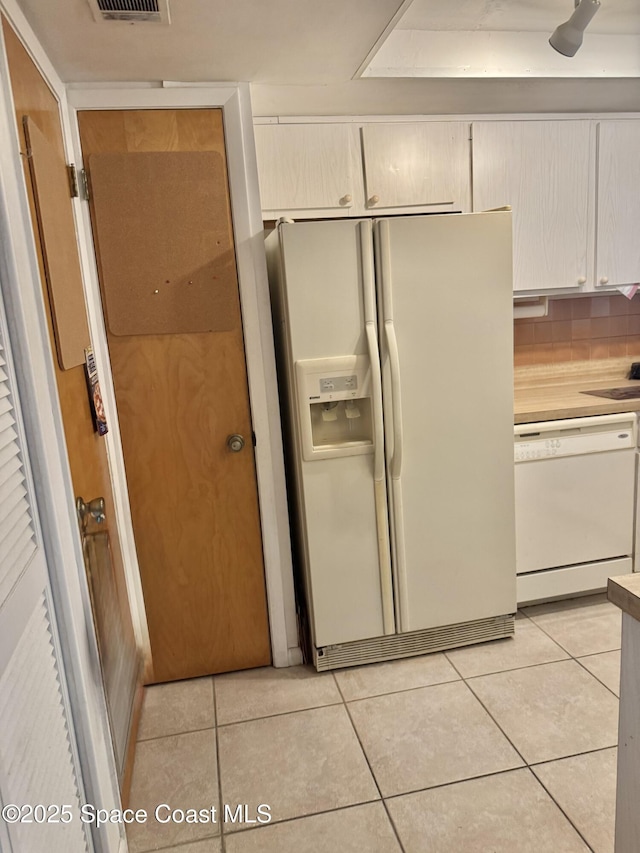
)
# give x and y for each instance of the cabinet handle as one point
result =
(346, 199)
(374, 199)
(604, 280)
(582, 280)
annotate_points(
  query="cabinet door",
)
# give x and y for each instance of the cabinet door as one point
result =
(417, 164)
(618, 246)
(541, 169)
(304, 166)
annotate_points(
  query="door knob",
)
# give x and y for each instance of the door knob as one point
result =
(95, 510)
(235, 443)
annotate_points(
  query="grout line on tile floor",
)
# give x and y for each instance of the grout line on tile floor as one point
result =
(403, 690)
(174, 734)
(456, 782)
(579, 660)
(468, 686)
(537, 665)
(279, 714)
(496, 773)
(496, 723)
(393, 825)
(180, 845)
(452, 664)
(572, 755)
(218, 769)
(519, 668)
(553, 800)
(373, 775)
(243, 829)
(564, 649)
(507, 669)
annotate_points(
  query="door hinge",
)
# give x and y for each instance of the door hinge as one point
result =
(253, 438)
(78, 183)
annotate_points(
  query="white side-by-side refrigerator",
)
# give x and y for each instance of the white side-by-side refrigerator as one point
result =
(395, 347)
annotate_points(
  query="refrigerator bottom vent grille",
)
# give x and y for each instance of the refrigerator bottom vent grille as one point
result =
(413, 643)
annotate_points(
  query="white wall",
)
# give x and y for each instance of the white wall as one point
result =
(393, 96)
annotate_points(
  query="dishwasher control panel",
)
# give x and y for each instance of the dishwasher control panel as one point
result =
(539, 449)
(575, 437)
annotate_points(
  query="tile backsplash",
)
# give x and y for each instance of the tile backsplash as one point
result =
(580, 329)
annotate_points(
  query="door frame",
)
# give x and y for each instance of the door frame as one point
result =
(29, 340)
(234, 99)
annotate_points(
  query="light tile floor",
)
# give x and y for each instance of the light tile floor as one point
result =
(505, 746)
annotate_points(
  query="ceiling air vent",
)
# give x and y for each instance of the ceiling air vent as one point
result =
(154, 11)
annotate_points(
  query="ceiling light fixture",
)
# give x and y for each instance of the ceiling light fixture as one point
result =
(567, 38)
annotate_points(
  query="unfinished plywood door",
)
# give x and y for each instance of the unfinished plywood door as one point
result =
(180, 394)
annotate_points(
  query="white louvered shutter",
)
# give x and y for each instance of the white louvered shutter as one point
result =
(38, 763)
(17, 535)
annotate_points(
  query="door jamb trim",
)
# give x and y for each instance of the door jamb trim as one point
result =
(234, 99)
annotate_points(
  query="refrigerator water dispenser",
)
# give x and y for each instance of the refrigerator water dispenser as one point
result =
(334, 406)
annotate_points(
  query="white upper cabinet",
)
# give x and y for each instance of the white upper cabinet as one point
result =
(304, 166)
(542, 169)
(417, 164)
(618, 219)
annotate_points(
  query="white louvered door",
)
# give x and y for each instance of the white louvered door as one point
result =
(38, 764)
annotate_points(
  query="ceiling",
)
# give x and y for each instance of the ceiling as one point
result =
(507, 38)
(620, 17)
(306, 57)
(267, 41)
(280, 41)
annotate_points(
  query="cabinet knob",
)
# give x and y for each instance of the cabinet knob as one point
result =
(604, 280)
(346, 199)
(582, 280)
(374, 199)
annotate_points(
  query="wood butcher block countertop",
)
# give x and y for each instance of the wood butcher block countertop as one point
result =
(547, 392)
(624, 591)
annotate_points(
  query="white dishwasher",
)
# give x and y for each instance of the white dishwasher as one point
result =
(575, 497)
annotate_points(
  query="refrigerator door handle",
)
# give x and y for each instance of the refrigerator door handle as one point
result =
(395, 467)
(369, 299)
(380, 497)
(395, 471)
(384, 553)
(376, 382)
(396, 407)
(395, 463)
